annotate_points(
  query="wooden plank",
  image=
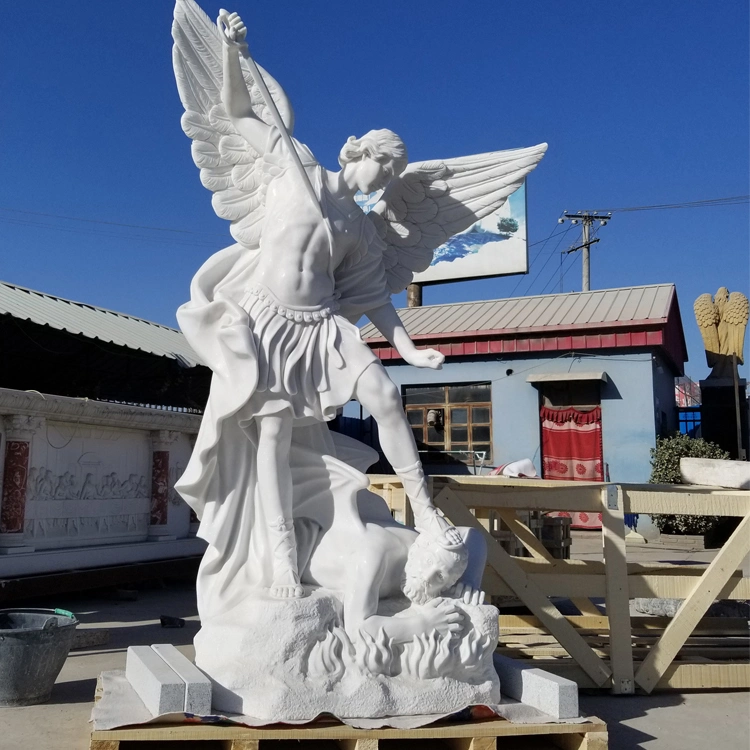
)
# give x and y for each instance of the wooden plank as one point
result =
(705, 677)
(694, 607)
(688, 653)
(602, 639)
(512, 484)
(688, 500)
(104, 745)
(363, 743)
(478, 728)
(679, 676)
(617, 598)
(473, 743)
(597, 567)
(640, 624)
(527, 591)
(485, 492)
(637, 498)
(587, 741)
(665, 587)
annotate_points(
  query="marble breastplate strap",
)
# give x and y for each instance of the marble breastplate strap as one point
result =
(299, 313)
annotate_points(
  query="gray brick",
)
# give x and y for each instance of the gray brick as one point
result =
(546, 692)
(197, 685)
(160, 688)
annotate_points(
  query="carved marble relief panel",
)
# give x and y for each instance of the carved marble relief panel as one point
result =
(88, 485)
(178, 521)
(14, 487)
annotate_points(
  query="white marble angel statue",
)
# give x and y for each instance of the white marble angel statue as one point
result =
(274, 314)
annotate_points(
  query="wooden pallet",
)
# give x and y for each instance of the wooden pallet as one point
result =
(714, 656)
(474, 735)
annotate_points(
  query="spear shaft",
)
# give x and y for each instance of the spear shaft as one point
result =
(272, 108)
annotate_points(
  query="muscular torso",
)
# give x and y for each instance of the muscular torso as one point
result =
(297, 260)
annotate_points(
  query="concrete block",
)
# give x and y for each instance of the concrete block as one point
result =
(90, 637)
(197, 685)
(715, 472)
(160, 688)
(546, 692)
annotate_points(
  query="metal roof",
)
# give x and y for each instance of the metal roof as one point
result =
(95, 323)
(602, 308)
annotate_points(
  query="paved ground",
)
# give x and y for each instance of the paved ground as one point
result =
(666, 721)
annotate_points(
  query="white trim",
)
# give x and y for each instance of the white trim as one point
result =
(552, 377)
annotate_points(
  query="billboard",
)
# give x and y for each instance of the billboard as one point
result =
(494, 246)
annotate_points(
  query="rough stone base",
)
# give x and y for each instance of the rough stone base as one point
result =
(669, 607)
(291, 661)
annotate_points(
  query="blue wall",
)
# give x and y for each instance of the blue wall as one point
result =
(628, 403)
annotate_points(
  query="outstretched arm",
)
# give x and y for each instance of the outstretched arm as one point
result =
(386, 320)
(234, 93)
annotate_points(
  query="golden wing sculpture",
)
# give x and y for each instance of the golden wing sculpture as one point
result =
(722, 321)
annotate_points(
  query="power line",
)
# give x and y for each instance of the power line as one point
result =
(734, 200)
(108, 223)
(543, 242)
(103, 233)
(549, 257)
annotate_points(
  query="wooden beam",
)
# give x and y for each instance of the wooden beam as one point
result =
(678, 676)
(694, 607)
(645, 624)
(486, 492)
(362, 743)
(471, 743)
(587, 741)
(665, 587)
(616, 583)
(526, 590)
(688, 500)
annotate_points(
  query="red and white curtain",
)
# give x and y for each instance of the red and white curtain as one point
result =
(572, 450)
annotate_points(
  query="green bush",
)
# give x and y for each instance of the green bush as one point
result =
(665, 469)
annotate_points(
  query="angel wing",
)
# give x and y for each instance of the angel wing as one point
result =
(707, 318)
(433, 200)
(735, 315)
(229, 167)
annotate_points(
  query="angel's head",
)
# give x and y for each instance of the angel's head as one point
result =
(374, 159)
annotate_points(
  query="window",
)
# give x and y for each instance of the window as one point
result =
(450, 422)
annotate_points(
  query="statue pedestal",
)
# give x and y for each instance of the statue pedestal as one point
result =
(719, 414)
(289, 661)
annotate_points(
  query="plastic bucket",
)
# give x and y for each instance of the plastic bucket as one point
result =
(34, 644)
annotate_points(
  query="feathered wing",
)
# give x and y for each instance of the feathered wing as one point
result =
(433, 200)
(736, 313)
(707, 318)
(229, 167)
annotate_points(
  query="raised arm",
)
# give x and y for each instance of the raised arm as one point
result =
(386, 320)
(234, 93)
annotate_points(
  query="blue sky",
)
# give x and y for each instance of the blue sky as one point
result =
(641, 103)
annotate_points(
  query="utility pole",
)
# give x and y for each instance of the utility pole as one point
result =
(414, 295)
(586, 219)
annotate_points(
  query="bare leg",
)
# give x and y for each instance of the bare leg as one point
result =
(275, 490)
(377, 393)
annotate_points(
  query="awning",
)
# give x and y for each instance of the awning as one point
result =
(555, 377)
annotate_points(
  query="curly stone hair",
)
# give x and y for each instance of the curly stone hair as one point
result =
(380, 145)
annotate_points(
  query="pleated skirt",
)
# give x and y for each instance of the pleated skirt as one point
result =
(309, 358)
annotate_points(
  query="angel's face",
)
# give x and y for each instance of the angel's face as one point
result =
(373, 175)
